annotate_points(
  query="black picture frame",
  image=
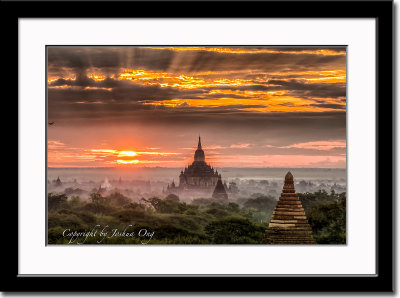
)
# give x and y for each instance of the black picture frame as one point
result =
(382, 11)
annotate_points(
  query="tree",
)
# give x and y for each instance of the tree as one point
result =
(234, 230)
(166, 206)
(97, 198)
(56, 201)
(328, 218)
(173, 197)
(98, 204)
(74, 201)
(233, 207)
(262, 203)
(260, 208)
(309, 200)
(134, 205)
(118, 199)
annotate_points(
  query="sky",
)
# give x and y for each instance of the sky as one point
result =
(147, 106)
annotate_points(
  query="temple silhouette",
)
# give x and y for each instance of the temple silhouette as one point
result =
(199, 179)
(289, 224)
(57, 182)
(220, 190)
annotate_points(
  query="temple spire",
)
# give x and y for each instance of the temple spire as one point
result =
(199, 153)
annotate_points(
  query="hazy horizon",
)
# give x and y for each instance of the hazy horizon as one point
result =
(168, 174)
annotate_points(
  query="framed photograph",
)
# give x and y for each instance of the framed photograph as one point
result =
(166, 144)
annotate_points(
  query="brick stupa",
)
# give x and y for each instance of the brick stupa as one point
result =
(289, 224)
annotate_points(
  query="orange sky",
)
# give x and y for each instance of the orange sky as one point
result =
(146, 106)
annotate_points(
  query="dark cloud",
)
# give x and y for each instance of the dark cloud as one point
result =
(311, 90)
(111, 90)
(256, 87)
(210, 61)
(122, 90)
(114, 59)
(108, 59)
(84, 81)
(329, 106)
(224, 116)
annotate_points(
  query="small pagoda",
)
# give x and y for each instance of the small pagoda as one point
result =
(219, 191)
(289, 224)
(57, 182)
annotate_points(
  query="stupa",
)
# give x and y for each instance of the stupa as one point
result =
(220, 191)
(289, 224)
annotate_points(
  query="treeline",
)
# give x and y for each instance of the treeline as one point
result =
(326, 213)
(203, 221)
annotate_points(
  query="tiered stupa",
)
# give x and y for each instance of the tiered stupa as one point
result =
(289, 224)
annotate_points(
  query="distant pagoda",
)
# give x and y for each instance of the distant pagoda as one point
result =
(289, 224)
(220, 191)
(57, 182)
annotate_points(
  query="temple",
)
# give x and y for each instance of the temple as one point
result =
(57, 182)
(289, 224)
(220, 190)
(198, 179)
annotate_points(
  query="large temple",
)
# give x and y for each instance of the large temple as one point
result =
(198, 179)
(289, 224)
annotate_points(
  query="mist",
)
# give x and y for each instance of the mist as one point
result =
(138, 183)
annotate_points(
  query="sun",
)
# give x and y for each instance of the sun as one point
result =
(125, 157)
(127, 162)
(127, 153)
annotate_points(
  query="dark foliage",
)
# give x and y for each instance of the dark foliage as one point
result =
(172, 197)
(235, 231)
(204, 221)
(326, 213)
(167, 205)
(118, 199)
(56, 201)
